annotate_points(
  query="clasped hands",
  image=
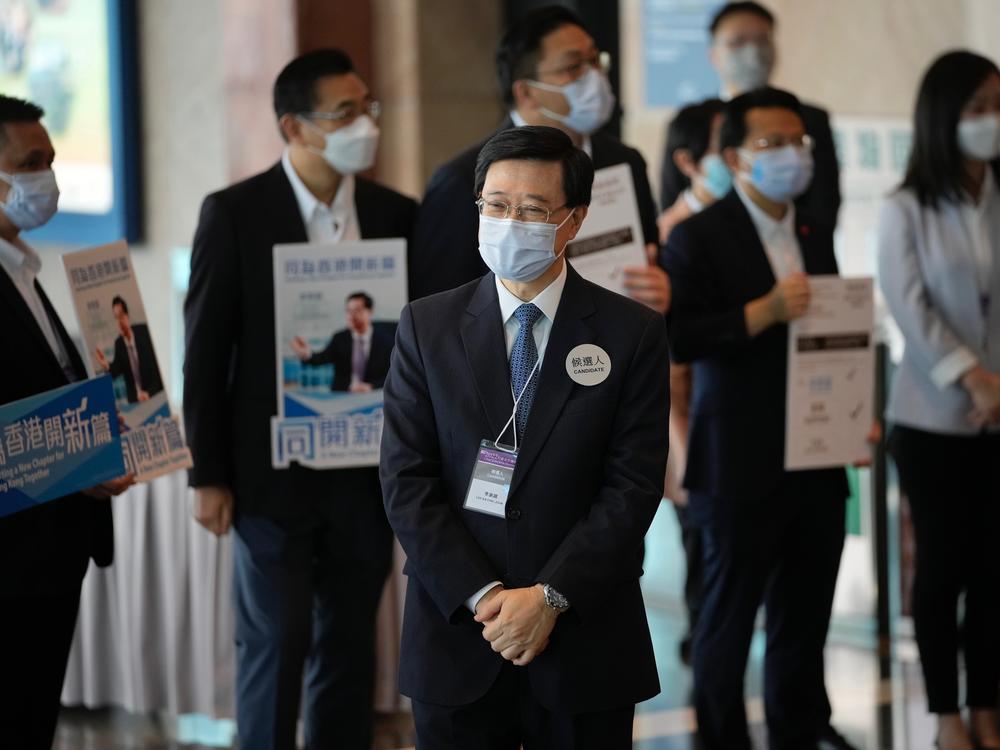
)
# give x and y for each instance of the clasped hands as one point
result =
(516, 622)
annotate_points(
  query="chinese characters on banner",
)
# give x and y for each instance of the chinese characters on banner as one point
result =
(336, 311)
(58, 442)
(117, 342)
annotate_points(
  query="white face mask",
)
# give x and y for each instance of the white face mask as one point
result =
(591, 101)
(979, 137)
(33, 198)
(518, 250)
(748, 66)
(350, 149)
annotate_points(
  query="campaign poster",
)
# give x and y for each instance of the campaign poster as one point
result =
(336, 311)
(58, 442)
(117, 342)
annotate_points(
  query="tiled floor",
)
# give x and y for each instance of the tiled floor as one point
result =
(878, 709)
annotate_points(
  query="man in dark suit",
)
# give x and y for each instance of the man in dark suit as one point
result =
(743, 53)
(360, 353)
(740, 275)
(312, 548)
(135, 358)
(44, 551)
(524, 618)
(540, 57)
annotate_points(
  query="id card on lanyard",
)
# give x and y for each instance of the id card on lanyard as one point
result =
(494, 467)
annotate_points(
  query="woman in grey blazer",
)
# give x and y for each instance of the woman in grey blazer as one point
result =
(939, 268)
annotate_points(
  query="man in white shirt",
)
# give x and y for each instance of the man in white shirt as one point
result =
(45, 550)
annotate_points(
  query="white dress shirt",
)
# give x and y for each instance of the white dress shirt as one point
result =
(585, 145)
(22, 264)
(548, 302)
(781, 245)
(333, 223)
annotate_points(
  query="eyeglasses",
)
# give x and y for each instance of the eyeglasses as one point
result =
(599, 60)
(348, 112)
(495, 209)
(780, 141)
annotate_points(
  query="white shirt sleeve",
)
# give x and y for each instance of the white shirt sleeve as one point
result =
(473, 601)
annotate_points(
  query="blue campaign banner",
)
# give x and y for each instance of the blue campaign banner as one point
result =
(58, 442)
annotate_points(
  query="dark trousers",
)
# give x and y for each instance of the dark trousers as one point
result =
(953, 487)
(783, 551)
(508, 718)
(304, 601)
(691, 540)
(36, 633)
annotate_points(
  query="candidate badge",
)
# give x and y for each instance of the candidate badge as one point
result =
(588, 364)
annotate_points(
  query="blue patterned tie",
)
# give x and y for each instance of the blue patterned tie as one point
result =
(523, 356)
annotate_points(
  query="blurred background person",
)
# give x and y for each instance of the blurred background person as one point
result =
(939, 267)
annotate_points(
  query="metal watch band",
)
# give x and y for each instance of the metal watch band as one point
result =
(554, 599)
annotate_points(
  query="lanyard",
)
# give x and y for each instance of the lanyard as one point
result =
(513, 414)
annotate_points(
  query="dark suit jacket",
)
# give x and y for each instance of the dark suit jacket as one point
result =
(822, 200)
(229, 369)
(149, 370)
(445, 252)
(45, 550)
(341, 348)
(736, 438)
(588, 480)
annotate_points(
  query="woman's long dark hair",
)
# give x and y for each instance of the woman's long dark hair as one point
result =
(690, 129)
(936, 166)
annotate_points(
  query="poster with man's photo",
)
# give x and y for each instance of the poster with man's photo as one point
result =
(117, 342)
(336, 311)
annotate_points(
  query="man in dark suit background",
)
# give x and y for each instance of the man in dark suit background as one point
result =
(135, 358)
(44, 551)
(526, 622)
(539, 60)
(739, 273)
(312, 548)
(742, 52)
(360, 353)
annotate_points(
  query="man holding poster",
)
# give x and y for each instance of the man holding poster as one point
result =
(44, 550)
(312, 547)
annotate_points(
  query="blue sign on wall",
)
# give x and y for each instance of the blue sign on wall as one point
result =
(57, 443)
(675, 45)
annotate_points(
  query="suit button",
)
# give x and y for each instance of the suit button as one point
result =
(513, 513)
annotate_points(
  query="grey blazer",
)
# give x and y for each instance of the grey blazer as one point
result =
(929, 275)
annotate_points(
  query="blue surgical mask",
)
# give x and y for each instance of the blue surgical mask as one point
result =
(518, 250)
(781, 174)
(33, 198)
(590, 98)
(715, 176)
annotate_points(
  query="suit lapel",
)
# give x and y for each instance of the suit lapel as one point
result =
(568, 330)
(758, 276)
(26, 319)
(486, 352)
(74, 356)
(287, 214)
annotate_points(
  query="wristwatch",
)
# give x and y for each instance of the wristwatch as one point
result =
(554, 599)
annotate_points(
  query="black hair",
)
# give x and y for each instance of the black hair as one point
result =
(936, 165)
(364, 297)
(731, 9)
(691, 129)
(520, 48)
(118, 300)
(734, 122)
(295, 86)
(540, 143)
(13, 109)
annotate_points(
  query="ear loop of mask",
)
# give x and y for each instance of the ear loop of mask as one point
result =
(513, 414)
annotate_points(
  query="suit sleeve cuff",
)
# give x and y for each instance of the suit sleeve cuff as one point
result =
(952, 367)
(473, 601)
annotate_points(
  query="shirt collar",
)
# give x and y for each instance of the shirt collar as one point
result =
(309, 203)
(18, 256)
(547, 300)
(585, 145)
(767, 226)
(692, 201)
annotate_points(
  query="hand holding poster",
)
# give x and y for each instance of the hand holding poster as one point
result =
(831, 375)
(336, 311)
(611, 238)
(58, 442)
(118, 343)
